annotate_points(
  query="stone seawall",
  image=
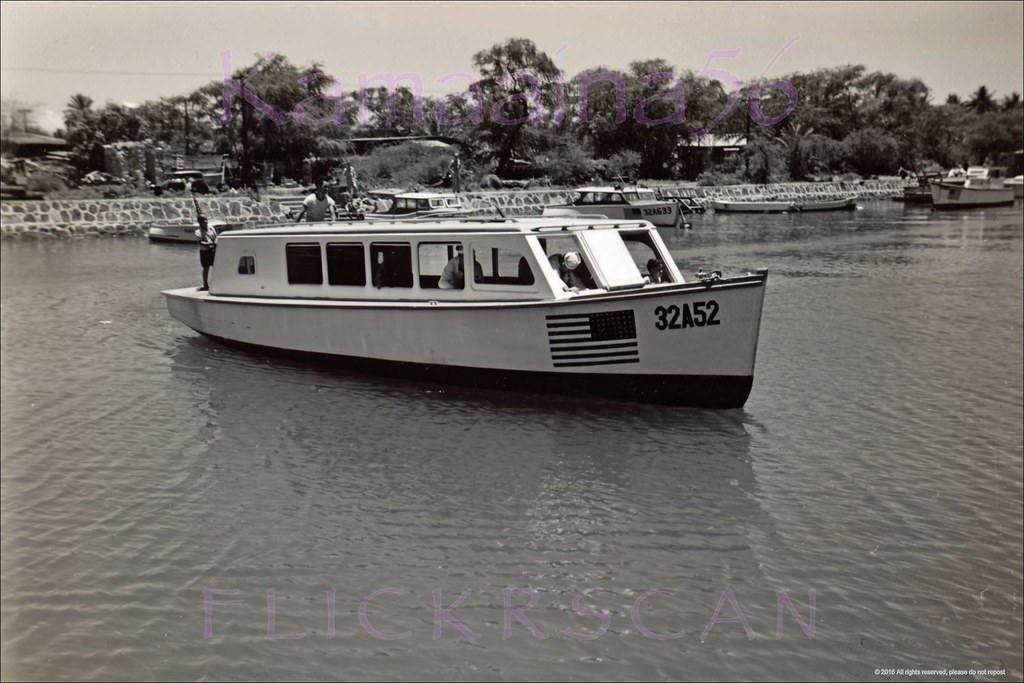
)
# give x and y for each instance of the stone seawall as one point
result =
(72, 218)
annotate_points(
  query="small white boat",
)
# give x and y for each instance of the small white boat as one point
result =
(984, 186)
(1016, 183)
(624, 324)
(783, 206)
(630, 203)
(180, 233)
(406, 205)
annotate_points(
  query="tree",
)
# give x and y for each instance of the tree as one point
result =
(871, 151)
(518, 84)
(295, 113)
(796, 141)
(982, 101)
(79, 120)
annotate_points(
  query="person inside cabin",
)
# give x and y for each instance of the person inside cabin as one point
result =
(655, 271)
(557, 263)
(207, 235)
(317, 206)
(577, 274)
(454, 274)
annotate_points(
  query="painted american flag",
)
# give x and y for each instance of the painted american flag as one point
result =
(580, 340)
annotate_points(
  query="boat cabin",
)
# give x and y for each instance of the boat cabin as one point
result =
(591, 196)
(499, 260)
(414, 202)
(992, 177)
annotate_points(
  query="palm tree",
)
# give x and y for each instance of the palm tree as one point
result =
(794, 139)
(78, 105)
(982, 101)
(79, 120)
(1011, 101)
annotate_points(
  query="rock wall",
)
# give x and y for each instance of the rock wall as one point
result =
(70, 218)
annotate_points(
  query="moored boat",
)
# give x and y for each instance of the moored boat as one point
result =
(984, 186)
(783, 206)
(379, 296)
(625, 203)
(408, 205)
(164, 232)
(1016, 183)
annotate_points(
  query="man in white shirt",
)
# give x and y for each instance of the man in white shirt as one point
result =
(317, 206)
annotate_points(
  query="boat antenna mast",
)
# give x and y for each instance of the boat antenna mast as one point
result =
(200, 218)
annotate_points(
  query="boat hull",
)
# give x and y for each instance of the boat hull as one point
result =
(692, 344)
(703, 391)
(953, 196)
(173, 233)
(783, 206)
(662, 214)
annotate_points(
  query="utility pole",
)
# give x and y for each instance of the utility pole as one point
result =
(246, 179)
(186, 126)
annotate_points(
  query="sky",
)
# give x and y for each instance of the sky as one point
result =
(130, 52)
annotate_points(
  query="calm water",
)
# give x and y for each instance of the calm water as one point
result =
(876, 470)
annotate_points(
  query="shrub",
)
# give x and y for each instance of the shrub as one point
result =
(405, 165)
(45, 182)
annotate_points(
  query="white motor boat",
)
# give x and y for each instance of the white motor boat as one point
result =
(625, 203)
(984, 186)
(378, 296)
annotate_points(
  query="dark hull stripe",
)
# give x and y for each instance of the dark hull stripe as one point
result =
(708, 391)
(973, 205)
(569, 333)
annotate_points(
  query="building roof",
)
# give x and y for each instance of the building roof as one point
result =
(33, 139)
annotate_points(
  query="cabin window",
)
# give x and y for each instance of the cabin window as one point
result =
(453, 202)
(645, 255)
(304, 266)
(433, 258)
(501, 266)
(247, 265)
(346, 264)
(437, 202)
(391, 264)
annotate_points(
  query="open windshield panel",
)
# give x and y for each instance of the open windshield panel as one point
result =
(613, 259)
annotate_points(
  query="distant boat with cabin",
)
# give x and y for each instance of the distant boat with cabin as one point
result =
(984, 186)
(624, 203)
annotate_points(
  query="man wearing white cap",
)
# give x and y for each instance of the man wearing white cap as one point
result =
(578, 275)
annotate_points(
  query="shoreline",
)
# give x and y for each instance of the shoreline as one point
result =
(82, 218)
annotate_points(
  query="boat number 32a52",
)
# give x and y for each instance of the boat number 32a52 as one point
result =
(699, 314)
